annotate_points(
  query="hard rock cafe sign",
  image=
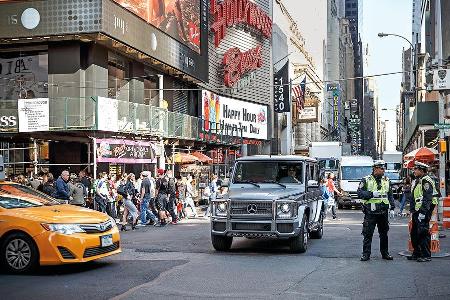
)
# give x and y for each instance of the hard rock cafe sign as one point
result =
(229, 13)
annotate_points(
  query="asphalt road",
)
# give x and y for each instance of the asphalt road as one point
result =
(178, 262)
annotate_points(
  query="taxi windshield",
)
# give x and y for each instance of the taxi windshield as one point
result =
(19, 196)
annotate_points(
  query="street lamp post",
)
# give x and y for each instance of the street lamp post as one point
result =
(413, 55)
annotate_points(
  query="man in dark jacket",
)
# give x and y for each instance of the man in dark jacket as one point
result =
(62, 188)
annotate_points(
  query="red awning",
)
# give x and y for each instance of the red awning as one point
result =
(184, 158)
(202, 157)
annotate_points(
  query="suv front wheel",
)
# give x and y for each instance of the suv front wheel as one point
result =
(221, 242)
(299, 244)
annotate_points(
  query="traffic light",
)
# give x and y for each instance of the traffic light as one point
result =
(442, 146)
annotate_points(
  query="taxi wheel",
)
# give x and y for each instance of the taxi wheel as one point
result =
(18, 253)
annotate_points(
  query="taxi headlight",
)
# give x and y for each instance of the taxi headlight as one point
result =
(63, 228)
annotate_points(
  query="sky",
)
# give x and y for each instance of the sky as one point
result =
(385, 54)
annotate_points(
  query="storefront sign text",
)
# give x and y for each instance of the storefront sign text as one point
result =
(237, 63)
(125, 151)
(232, 12)
(33, 114)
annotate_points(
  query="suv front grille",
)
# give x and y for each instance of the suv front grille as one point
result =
(251, 208)
(251, 226)
(89, 252)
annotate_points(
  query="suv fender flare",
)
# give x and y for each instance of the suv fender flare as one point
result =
(301, 213)
(320, 208)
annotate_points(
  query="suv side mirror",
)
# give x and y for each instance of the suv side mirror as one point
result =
(313, 184)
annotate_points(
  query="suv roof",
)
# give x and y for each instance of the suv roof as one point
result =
(277, 158)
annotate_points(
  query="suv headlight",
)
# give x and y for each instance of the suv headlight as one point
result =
(63, 228)
(221, 209)
(285, 210)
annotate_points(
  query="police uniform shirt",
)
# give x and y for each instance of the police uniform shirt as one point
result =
(364, 194)
(427, 192)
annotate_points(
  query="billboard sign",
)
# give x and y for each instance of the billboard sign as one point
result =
(178, 40)
(231, 116)
(308, 114)
(125, 151)
(178, 18)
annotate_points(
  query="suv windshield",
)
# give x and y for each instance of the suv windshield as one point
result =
(19, 196)
(355, 172)
(285, 172)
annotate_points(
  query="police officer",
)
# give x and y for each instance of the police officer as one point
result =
(376, 192)
(425, 199)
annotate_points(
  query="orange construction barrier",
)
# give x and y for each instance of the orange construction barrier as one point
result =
(446, 213)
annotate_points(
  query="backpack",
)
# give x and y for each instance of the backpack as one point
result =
(121, 190)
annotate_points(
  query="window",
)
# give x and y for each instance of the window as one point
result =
(117, 75)
(285, 172)
(19, 196)
(23, 74)
(151, 86)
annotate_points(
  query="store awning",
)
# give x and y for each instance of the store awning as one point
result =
(422, 154)
(184, 158)
(202, 157)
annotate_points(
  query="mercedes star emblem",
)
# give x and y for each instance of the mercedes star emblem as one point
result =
(251, 208)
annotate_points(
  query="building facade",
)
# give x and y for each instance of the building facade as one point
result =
(109, 87)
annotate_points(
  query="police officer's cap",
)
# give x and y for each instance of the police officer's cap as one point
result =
(379, 164)
(421, 165)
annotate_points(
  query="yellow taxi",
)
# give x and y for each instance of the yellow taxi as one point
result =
(36, 229)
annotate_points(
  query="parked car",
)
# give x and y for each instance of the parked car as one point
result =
(270, 196)
(36, 229)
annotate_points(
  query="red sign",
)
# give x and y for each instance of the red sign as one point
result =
(237, 63)
(232, 12)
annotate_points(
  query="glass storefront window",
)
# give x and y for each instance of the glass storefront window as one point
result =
(151, 86)
(117, 77)
(23, 74)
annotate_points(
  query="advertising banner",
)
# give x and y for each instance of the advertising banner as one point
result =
(178, 18)
(174, 32)
(281, 90)
(125, 151)
(33, 114)
(308, 114)
(108, 114)
(232, 116)
(336, 109)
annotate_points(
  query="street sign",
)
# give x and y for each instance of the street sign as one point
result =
(442, 126)
(441, 79)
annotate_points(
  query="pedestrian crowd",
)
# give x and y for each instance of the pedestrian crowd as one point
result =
(136, 201)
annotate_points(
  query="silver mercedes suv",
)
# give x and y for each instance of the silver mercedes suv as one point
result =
(270, 196)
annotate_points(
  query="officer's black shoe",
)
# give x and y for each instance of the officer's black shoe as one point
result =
(424, 259)
(365, 257)
(412, 257)
(387, 257)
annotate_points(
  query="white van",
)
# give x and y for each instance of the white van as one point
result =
(351, 171)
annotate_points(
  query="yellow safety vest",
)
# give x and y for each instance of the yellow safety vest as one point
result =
(372, 186)
(418, 192)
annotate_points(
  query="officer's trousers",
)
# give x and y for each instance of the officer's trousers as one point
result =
(420, 234)
(382, 222)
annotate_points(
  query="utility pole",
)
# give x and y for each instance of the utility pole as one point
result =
(439, 55)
